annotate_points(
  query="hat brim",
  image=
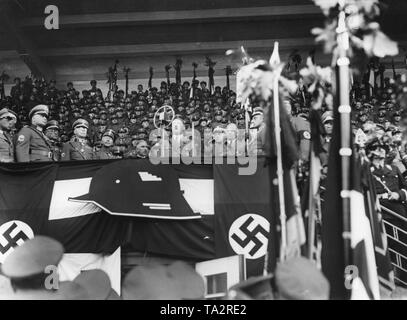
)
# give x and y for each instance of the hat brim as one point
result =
(87, 198)
(52, 127)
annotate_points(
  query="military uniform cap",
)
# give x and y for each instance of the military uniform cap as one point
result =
(144, 119)
(219, 129)
(257, 111)
(40, 108)
(6, 113)
(158, 282)
(134, 137)
(109, 133)
(69, 290)
(327, 116)
(299, 279)
(396, 130)
(257, 288)
(123, 130)
(32, 257)
(52, 124)
(81, 122)
(96, 284)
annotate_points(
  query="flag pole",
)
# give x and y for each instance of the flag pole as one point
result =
(193, 138)
(275, 59)
(345, 150)
(311, 205)
(246, 120)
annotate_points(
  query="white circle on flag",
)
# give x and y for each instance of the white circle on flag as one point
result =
(248, 235)
(13, 233)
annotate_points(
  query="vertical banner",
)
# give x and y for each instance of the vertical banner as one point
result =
(242, 214)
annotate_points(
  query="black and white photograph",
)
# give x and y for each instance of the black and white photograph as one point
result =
(209, 151)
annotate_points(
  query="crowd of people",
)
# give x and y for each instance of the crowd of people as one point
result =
(91, 126)
(39, 122)
(25, 275)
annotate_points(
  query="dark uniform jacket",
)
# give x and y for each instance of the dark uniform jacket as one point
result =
(32, 145)
(257, 143)
(131, 153)
(56, 148)
(6, 147)
(77, 150)
(303, 129)
(391, 177)
(104, 154)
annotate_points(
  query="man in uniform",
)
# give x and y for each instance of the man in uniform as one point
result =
(177, 138)
(219, 142)
(123, 137)
(327, 121)
(94, 89)
(6, 142)
(302, 127)
(26, 265)
(132, 151)
(391, 189)
(107, 143)
(257, 141)
(391, 186)
(97, 136)
(78, 148)
(52, 130)
(217, 121)
(32, 144)
(140, 151)
(231, 139)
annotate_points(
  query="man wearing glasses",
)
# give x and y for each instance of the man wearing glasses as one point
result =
(32, 145)
(7, 120)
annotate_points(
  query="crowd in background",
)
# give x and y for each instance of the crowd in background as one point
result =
(126, 121)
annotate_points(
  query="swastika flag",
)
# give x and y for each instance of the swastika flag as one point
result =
(243, 215)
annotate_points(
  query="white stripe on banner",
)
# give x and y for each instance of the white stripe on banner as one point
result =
(61, 208)
(73, 263)
(361, 231)
(199, 195)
